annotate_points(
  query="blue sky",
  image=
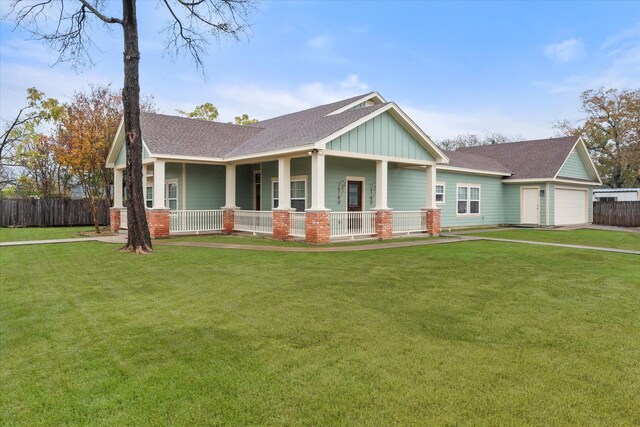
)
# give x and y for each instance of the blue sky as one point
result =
(454, 67)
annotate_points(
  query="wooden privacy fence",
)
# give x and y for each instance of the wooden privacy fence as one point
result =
(49, 212)
(625, 214)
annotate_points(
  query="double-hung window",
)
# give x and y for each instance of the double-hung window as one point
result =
(149, 197)
(468, 202)
(171, 193)
(440, 192)
(298, 194)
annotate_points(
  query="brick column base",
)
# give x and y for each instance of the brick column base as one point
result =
(228, 220)
(433, 221)
(158, 220)
(317, 226)
(384, 223)
(281, 222)
(114, 219)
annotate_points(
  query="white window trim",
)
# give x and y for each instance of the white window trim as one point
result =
(293, 178)
(469, 186)
(363, 200)
(166, 192)
(444, 194)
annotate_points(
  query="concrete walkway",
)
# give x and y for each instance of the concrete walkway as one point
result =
(562, 245)
(120, 238)
(345, 248)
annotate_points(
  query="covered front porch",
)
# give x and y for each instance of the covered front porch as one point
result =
(316, 196)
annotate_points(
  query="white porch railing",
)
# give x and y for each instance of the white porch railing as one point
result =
(253, 221)
(189, 221)
(123, 219)
(409, 221)
(349, 224)
(297, 224)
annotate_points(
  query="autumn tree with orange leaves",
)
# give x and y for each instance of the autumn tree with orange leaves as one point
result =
(83, 140)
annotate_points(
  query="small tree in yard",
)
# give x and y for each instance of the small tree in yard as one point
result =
(190, 21)
(83, 140)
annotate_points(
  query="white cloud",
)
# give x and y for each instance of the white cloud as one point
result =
(440, 124)
(616, 64)
(353, 82)
(565, 51)
(263, 101)
(318, 42)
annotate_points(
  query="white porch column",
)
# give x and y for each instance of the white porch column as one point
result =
(158, 184)
(117, 188)
(430, 187)
(144, 184)
(317, 180)
(381, 184)
(284, 183)
(230, 187)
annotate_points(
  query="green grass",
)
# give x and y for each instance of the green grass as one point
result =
(585, 237)
(41, 233)
(268, 241)
(467, 333)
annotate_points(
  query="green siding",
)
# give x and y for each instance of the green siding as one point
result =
(406, 188)
(244, 186)
(574, 167)
(512, 193)
(552, 204)
(205, 186)
(382, 135)
(492, 210)
(336, 171)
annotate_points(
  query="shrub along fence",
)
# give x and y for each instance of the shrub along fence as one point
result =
(625, 214)
(49, 212)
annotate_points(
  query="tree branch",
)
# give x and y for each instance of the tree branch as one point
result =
(96, 12)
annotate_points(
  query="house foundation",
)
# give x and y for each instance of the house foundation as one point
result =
(228, 220)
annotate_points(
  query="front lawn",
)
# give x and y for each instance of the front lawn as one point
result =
(584, 237)
(467, 333)
(42, 233)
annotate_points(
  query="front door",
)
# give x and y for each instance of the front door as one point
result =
(354, 204)
(530, 206)
(354, 196)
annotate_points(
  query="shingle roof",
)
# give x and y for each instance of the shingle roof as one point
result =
(541, 158)
(189, 137)
(460, 159)
(181, 136)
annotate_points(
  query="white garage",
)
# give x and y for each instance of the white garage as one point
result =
(571, 206)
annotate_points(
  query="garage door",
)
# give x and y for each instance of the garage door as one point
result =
(570, 206)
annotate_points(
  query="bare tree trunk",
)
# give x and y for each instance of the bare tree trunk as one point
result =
(139, 239)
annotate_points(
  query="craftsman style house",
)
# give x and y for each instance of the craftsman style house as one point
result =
(356, 167)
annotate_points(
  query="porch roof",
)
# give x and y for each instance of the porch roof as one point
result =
(180, 136)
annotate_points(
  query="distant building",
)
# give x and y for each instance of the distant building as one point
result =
(616, 194)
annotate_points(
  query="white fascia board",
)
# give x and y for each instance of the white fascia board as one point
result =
(268, 155)
(113, 151)
(365, 98)
(532, 180)
(426, 143)
(375, 157)
(467, 170)
(439, 155)
(168, 157)
(583, 152)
